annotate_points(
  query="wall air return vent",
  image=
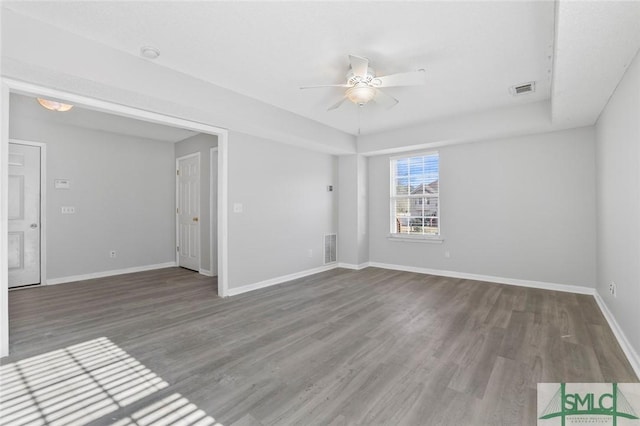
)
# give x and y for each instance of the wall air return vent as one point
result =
(330, 248)
(522, 89)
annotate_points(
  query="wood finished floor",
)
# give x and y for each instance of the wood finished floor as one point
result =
(341, 347)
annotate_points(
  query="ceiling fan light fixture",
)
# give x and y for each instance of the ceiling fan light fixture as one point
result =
(54, 105)
(362, 84)
(361, 94)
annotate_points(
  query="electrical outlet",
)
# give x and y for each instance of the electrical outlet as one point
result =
(612, 289)
(112, 254)
(309, 253)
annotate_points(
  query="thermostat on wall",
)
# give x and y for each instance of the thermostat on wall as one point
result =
(62, 183)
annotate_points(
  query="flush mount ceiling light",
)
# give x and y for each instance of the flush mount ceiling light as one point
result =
(54, 105)
(149, 52)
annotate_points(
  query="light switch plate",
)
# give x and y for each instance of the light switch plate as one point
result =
(237, 207)
(68, 210)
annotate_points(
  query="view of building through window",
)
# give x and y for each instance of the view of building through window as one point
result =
(415, 193)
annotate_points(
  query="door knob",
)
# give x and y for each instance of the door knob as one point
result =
(34, 225)
(195, 219)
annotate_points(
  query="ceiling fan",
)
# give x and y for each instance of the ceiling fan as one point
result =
(363, 86)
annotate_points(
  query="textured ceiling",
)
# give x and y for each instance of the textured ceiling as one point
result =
(596, 42)
(472, 51)
(575, 51)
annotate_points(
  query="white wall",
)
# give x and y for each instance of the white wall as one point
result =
(618, 171)
(123, 189)
(203, 143)
(287, 209)
(519, 208)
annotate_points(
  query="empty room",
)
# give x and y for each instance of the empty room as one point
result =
(251, 213)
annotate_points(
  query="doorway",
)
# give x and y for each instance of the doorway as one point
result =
(25, 214)
(8, 86)
(188, 211)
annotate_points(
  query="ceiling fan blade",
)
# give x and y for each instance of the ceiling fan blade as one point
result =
(337, 104)
(359, 65)
(325, 85)
(412, 78)
(385, 100)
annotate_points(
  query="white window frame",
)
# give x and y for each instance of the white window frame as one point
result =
(393, 234)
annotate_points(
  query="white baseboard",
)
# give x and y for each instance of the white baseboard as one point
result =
(627, 348)
(354, 266)
(279, 280)
(113, 272)
(207, 273)
(488, 278)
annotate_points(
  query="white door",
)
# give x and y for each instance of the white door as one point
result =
(188, 212)
(24, 215)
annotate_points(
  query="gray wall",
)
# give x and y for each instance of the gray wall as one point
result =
(521, 208)
(348, 209)
(363, 209)
(618, 164)
(353, 233)
(286, 208)
(123, 189)
(203, 143)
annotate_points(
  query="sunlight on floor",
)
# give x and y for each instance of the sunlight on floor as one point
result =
(84, 382)
(172, 410)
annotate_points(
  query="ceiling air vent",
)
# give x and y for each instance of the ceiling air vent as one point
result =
(521, 89)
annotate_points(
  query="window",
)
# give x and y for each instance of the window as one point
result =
(415, 193)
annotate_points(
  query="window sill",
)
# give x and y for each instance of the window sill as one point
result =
(436, 239)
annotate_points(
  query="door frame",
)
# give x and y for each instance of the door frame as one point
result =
(43, 207)
(9, 85)
(184, 157)
(211, 209)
